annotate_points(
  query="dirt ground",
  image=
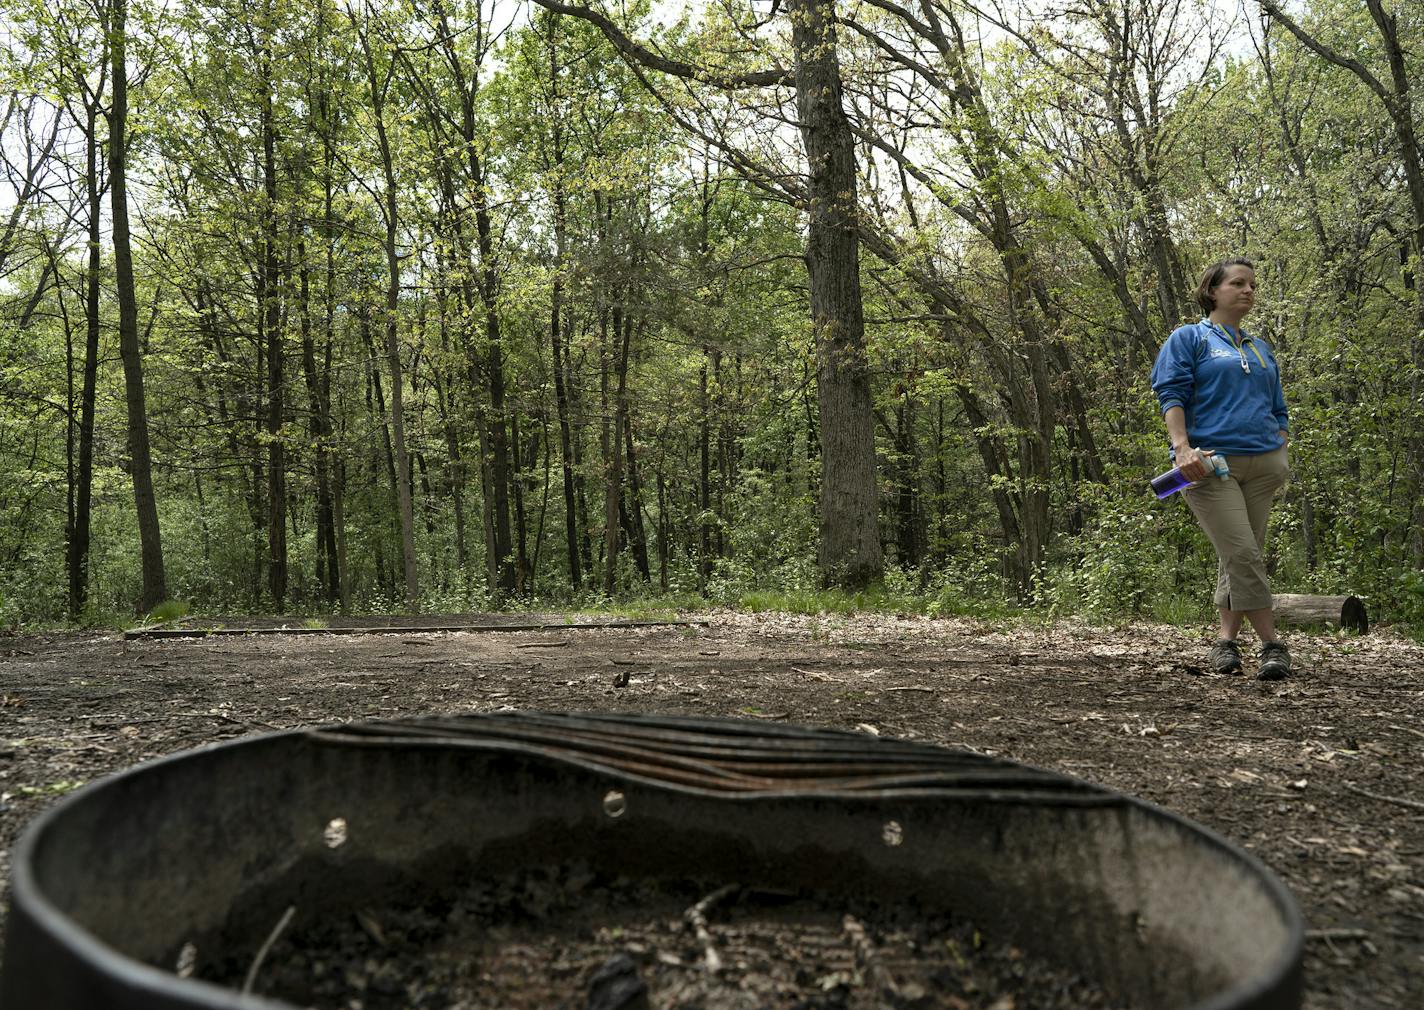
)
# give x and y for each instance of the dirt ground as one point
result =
(1319, 775)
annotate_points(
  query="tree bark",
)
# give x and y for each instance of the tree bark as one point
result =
(612, 439)
(390, 214)
(77, 546)
(269, 305)
(704, 482)
(327, 570)
(1342, 611)
(849, 553)
(155, 588)
(633, 510)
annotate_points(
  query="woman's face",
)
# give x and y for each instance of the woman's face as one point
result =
(1236, 293)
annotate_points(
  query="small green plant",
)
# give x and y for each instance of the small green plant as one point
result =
(314, 623)
(168, 610)
(53, 789)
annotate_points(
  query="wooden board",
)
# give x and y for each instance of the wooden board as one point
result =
(398, 630)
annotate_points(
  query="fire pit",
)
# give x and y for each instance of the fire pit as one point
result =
(147, 888)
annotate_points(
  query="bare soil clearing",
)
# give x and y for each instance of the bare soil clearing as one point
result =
(1319, 775)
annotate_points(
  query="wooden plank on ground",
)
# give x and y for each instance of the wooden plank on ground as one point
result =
(403, 629)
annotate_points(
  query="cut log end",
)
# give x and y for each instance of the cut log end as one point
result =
(1341, 611)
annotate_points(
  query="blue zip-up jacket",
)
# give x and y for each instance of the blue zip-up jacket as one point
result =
(1231, 409)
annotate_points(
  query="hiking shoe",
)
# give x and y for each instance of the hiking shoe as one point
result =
(1225, 656)
(1275, 662)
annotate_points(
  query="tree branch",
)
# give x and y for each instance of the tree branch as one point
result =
(632, 50)
(1273, 9)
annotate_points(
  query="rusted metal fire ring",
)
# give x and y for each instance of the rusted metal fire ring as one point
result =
(118, 877)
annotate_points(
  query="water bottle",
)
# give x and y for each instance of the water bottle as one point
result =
(1172, 481)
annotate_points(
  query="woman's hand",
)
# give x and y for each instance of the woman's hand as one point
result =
(1195, 464)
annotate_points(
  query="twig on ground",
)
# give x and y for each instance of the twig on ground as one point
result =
(869, 958)
(913, 687)
(696, 917)
(266, 949)
(539, 645)
(1408, 729)
(1337, 934)
(1399, 801)
(249, 723)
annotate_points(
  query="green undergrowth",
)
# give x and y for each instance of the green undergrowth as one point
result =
(897, 596)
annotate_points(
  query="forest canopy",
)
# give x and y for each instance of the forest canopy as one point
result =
(453, 304)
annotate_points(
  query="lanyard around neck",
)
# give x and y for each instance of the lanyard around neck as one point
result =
(1240, 345)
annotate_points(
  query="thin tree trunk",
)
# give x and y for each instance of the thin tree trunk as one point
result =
(320, 423)
(662, 531)
(269, 305)
(637, 534)
(155, 588)
(77, 548)
(561, 399)
(522, 571)
(704, 483)
(456, 467)
(390, 214)
(613, 454)
(337, 575)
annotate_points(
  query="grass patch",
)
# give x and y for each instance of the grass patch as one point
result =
(880, 600)
(168, 610)
(652, 608)
(834, 601)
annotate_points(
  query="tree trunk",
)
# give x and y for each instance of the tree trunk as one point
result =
(337, 576)
(566, 451)
(155, 589)
(445, 404)
(849, 553)
(662, 531)
(580, 482)
(494, 361)
(633, 514)
(704, 483)
(269, 305)
(77, 547)
(390, 214)
(907, 484)
(327, 573)
(522, 571)
(612, 437)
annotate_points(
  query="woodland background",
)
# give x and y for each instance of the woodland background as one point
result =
(450, 304)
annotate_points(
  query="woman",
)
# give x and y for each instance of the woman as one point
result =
(1220, 392)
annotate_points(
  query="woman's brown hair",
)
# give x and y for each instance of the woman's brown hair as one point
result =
(1213, 277)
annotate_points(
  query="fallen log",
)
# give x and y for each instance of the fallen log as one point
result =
(1341, 611)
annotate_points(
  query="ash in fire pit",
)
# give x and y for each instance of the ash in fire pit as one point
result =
(567, 936)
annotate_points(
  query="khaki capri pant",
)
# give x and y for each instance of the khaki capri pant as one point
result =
(1233, 513)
